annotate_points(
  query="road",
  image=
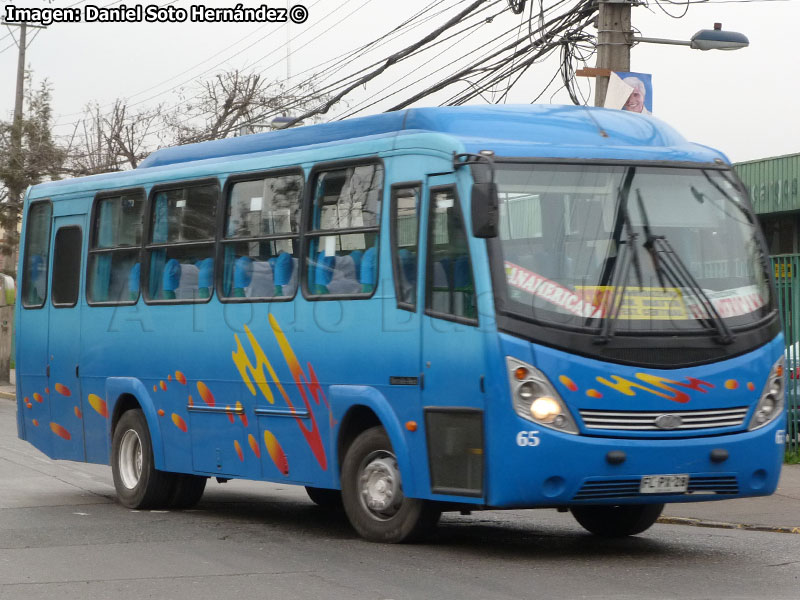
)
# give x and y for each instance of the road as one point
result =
(63, 536)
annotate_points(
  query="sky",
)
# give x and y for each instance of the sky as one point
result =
(743, 102)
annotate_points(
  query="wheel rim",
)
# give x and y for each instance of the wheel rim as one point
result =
(130, 459)
(380, 489)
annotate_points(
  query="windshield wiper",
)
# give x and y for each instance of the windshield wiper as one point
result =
(667, 262)
(619, 281)
(627, 256)
(649, 238)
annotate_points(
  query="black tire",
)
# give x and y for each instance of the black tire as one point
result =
(187, 491)
(325, 498)
(138, 483)
(617, 521)
(369, 473)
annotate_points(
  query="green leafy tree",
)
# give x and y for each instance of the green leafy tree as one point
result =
(28, 155)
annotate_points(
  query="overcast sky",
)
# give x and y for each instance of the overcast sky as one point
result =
(744, 102)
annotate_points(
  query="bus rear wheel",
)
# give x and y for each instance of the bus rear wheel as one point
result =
(617, 521)
(187, 491)
(138, 483)
(372, 493)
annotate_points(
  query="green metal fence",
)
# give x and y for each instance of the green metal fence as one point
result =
(787, 281)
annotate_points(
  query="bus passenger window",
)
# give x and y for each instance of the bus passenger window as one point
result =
(113, 273)
(342, 251)
(405, 226)
(37, 255)
(450, 288)
(262, 224)
(180, 255)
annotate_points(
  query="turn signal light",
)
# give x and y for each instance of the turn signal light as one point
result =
(521, 373)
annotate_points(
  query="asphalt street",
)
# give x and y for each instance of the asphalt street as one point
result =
(62, 535)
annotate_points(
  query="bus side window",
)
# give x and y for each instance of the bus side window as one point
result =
(180, 252)
(260, 245)
(342, 240)
(405, 232)
(67, 266)
(116, 237)
(37, 255)
(450, 287)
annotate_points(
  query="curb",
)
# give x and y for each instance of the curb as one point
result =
(8, 395)
(724, 525)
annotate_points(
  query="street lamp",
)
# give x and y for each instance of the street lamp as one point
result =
(705, 39)
(615, 38)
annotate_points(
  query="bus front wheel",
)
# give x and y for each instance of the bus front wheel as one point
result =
(138, 483)
(372, 493)
(617, 521)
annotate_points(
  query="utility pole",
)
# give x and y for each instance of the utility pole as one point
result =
(16, 127)
(613, 43)
(15, 184)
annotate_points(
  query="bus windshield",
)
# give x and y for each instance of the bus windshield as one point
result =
(655, 249)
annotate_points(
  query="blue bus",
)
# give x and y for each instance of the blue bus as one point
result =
(414, 312)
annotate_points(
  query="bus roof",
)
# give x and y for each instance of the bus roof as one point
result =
(529, 130)
(521, 131)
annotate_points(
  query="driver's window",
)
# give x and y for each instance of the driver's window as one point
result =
(449, 282)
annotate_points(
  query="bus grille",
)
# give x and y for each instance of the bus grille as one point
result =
(629, 487)
(678, 420)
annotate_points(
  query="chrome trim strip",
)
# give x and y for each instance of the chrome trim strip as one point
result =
(281, 412)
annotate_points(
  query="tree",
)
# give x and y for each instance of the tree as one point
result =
(111, 141)
(220, 107)
(216, 108)
(38, 157)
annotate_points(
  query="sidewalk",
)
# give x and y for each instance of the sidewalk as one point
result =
(8, 390)
(779, 512)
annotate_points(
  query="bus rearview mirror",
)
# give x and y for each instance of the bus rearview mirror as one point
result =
(484, 209)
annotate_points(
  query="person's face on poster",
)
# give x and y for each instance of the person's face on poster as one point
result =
(635, 102)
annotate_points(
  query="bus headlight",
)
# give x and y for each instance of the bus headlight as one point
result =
(535, 399)
(770, 405)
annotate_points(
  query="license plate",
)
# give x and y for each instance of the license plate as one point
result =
(664, 484)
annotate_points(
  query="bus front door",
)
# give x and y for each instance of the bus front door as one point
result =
(64, 393)
(452, 349)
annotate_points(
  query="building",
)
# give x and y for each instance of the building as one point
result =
(774, 186)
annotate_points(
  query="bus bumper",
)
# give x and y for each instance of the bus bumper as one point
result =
(557, 469)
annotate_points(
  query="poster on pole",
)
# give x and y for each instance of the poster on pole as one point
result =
(630, 91)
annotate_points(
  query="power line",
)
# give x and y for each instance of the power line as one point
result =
(178, 106)
(185, 71)
(299, 86)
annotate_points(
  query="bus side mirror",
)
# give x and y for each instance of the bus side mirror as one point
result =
(484, 209)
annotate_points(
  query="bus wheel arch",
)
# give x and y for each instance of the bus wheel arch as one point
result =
(123, 404)
(358, 419)
(128, 393)
(369, 408)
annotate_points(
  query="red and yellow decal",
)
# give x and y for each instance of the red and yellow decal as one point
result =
(98, 404)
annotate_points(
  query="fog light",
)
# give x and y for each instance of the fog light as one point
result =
(545, 409)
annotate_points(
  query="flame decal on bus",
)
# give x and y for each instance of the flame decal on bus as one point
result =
(307, 384)
(627, 387)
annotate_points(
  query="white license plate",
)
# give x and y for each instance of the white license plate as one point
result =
(664, 484)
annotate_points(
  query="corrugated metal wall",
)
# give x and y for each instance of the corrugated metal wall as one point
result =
(773, 183)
